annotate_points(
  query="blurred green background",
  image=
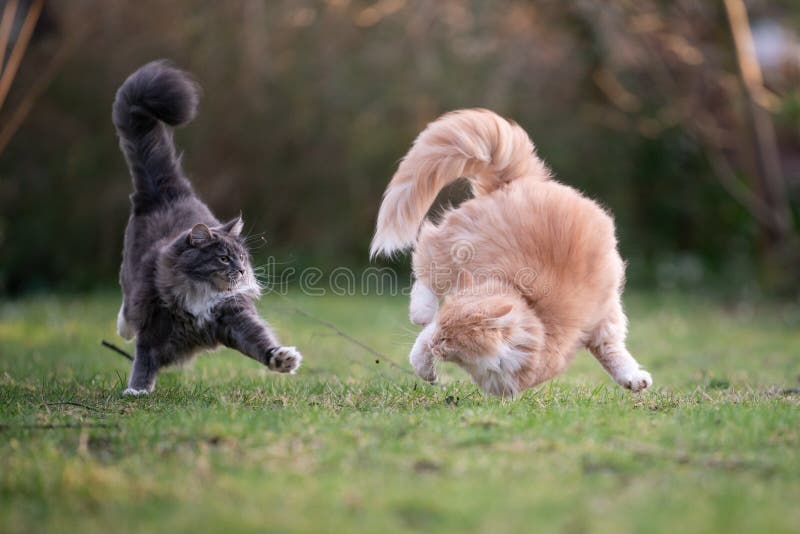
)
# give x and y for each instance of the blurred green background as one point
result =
(308, 105)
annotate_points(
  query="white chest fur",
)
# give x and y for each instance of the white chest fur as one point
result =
(201, 301)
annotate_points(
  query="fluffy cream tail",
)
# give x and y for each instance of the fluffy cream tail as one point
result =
(474, 143)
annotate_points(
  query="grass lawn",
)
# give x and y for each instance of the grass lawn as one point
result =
(353, 445)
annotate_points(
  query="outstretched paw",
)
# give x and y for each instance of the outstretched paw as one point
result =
(130, 392)
(636, 381)
(285, 360)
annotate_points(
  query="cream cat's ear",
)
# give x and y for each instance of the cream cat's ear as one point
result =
(199, 234)
(500, 314)
(233, 227)
(499, 310)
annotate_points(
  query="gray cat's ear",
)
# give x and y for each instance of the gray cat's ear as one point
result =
(199, 234)
(233, 227)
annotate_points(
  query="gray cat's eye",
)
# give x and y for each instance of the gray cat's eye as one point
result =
(225, 259)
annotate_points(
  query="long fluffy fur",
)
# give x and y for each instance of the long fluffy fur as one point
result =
(187, 281)
(153, 98)
(528, 270)
(477, 144)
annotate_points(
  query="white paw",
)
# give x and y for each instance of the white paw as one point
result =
(428, 374)
(130, 392)
(636, 380)
(421, 358)
(285, 360)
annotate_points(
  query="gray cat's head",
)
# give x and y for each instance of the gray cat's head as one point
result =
(210, 260)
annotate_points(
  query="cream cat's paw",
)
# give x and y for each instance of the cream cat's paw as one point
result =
(130, 392)
(427, 373)
(421, 358)
(285, 360)
(636, 380)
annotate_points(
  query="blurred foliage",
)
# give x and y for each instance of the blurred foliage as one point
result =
(308, 105)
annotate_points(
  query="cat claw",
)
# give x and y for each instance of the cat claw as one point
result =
(428, 375)
(285, 360)
(426, 370)
(637, 380)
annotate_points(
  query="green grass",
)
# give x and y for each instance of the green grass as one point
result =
(353, 445)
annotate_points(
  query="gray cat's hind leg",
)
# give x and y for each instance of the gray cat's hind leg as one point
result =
(124, 328)
(143, 373)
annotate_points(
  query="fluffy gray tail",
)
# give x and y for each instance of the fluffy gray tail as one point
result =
(151, 99)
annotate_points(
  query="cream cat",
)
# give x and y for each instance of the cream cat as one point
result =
(527, 271)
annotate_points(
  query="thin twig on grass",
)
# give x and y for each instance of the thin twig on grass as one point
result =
(327, 324)
(71, 403)
(53, 426)
(116, 349)
(336, 330)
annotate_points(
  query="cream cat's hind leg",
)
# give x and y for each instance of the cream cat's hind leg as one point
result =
(421, 357)
(607, 343)
(424, 304)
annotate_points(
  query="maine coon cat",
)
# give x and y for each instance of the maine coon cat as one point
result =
(187, 282)
(527, 270)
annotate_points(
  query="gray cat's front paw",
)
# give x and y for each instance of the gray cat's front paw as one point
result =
(285, 360)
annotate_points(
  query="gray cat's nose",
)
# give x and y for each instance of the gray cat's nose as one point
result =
(241, 272)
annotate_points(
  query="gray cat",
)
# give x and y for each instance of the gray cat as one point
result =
(187, 282)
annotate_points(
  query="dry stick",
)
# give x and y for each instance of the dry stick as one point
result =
(348, 337)
(307, 315)
(116, 349)
(50, 426)
(772, 180)
(18, 51)
(9, 11)
(39, 86)
(750, 69)
(725, 174)
(71, 403)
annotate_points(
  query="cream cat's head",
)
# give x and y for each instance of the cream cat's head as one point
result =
(470, 327)
(490, 336)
